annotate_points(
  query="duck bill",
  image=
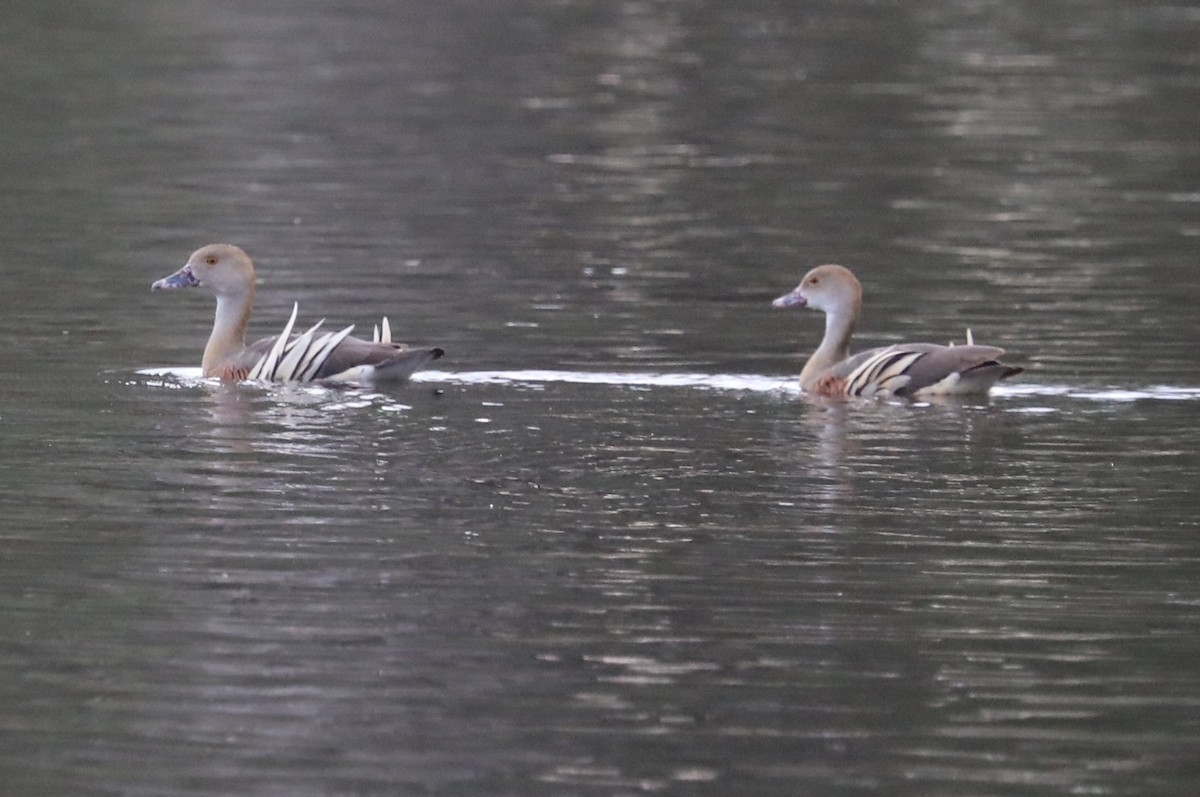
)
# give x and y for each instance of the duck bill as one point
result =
(793, 299)
(183, 278)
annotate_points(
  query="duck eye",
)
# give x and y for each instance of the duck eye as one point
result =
(211, 260)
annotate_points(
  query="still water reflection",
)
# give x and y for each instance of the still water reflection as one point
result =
(608, 549)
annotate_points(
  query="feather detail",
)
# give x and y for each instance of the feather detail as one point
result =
(320, 354)
(296, 349)
(830, 385)
(313, 357)
(384, 335)
(265, 368)
(883, 372)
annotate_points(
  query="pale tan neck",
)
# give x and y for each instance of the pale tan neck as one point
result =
(228, 336)
(835, 346)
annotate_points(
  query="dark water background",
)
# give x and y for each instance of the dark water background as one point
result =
(649, 567)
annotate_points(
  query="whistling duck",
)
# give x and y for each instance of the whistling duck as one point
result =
(331, 356)
(903, 369)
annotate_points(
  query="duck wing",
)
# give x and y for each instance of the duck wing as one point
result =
(330, 356)
(912, 369)
(355, 359)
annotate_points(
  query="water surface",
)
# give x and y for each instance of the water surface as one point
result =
(606, 548)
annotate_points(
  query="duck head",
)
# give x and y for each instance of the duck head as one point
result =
(829, 288)
(222, 268)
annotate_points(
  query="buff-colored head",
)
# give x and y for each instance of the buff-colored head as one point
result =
(222, 268)
(829, 288)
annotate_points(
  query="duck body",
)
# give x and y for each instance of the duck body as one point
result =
(912, 370)
(312, 356)
(909, 370)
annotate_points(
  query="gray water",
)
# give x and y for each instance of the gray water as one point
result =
(605, 548)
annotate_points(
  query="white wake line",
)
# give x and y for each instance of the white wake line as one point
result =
(1157, 392)
(775, 384)
(748, 382)
(753, 383)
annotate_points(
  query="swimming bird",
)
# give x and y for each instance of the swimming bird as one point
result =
(909, 370)
(313, 356)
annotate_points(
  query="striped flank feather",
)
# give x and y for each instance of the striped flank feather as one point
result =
(298, 359)
(882, 373)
